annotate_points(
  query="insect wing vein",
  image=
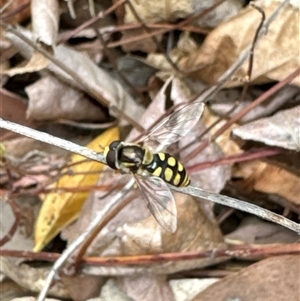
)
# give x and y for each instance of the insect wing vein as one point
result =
(177, 125)
(160, 200)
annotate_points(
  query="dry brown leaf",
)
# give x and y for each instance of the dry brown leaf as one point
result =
(276, 55)
(282, 129)
(30, 278)
(227, 99)
(275, 278)
(33, 299)
(13, 108)
(23, 237)
(186, 45)
(21, 146)
(37, 63)
(186, 289)
(156, 11)
(95, 80)
(146, 45)
(61, 208)
(83, 287)
(10, 290)
(221, 13)
(257, 177)
(224, 141)
(51, 99)
(146, 288)
(129, 234)
(213, 178)
(13, 11)
(254, 230)
(45, 19)
(111, 291)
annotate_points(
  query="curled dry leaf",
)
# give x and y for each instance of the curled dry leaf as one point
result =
(156, 11)
(61, 208)
(195, 232)
(275, 278)
(89, 76)
(45, 18)
(31, 278)
(51, 99)
(276, 55)
(122, 237)
(226, 100)
(282, 130)
(269, 233)
(257, 177)
(36, 63)
(186, 45)
(221, 13)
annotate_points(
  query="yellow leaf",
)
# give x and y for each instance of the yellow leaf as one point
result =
(61, 208)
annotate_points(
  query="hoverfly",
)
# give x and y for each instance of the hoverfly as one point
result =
(153, 170)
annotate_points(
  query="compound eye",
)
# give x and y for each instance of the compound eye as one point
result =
(114, 145)
(111, 159)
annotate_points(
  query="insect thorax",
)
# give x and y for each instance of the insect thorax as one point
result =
(132, 156)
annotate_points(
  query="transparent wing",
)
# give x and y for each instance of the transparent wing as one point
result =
(174, 127)
(160, 200)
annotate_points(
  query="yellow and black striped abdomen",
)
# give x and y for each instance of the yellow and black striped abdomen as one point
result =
(169, 169)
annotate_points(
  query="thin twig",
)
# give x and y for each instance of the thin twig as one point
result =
(251, 54)
(44, 137)
(224, 200)
(241, 251)
(240, 205)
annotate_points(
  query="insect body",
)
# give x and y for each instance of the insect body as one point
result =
(153, 171)
(134, 158)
